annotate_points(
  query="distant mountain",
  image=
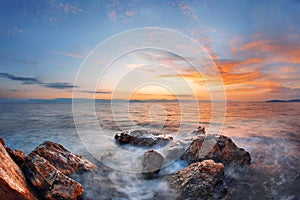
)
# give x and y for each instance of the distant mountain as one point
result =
(279, 100)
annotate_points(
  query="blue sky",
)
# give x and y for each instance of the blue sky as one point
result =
(255, 44)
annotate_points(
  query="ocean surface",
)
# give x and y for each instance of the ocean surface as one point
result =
(269, 131)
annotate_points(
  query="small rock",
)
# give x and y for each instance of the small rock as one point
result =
(13, 183)
(152, 162)
(49, 181)
(142, 138)
(65, 161)
(200, 180)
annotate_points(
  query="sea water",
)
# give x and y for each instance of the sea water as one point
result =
(269, 131)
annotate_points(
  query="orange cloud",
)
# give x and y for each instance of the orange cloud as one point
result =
(273, 50)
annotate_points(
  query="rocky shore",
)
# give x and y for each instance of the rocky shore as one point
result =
(45, 172)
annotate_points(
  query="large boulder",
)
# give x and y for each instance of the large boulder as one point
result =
(13, 183)
(220, 149)
(49, 181)
(152, 162)
(142, 138)
(62, 159)
(200, 180)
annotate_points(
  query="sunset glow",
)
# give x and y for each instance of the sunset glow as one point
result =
(255, 45)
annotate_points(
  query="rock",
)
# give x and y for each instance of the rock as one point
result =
(152, 162)
(49, 181)
(13, 183)
(17, 156)
(200, 130)
(142, 138)
(223, 150)
(176, 150)
(2, 142)
(62, 159)
(200, 180)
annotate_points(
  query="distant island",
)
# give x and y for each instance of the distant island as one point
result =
(278, 100)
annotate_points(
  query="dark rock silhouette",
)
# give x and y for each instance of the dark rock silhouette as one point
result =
(142, 138)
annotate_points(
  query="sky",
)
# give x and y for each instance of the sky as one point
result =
(254, 45)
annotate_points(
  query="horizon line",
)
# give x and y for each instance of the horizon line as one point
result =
(138, 100)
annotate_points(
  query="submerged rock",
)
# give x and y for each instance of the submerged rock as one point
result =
(142, 138)
(152, 162)
(13, 183)
(49, 181)
(62, 159)
(223, 149)
(200, 180)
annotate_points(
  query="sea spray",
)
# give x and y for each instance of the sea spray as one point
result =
(113, 184)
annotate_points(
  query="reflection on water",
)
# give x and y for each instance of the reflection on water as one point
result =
(269, 131)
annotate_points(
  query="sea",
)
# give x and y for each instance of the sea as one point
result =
(270, 132)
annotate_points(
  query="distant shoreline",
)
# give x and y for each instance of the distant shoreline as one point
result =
(70, 100)
(82, 100)
(283, 101)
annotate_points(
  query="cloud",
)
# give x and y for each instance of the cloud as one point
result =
(72, 54)
(117, 10)
(270, 63)
(162, 57)
(284, 49)
(27, 62)
(188, 11)
(240, 71)
(68, 8)
(35, 81)
(11, 58)
(12, 31)
(59, 85)
(96, 92)
(283, 92)
(130, 13)
(112, 15)
(24, 80)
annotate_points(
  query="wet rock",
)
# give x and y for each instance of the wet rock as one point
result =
(49, 181)
(142, 138)
(200, 180)
(2, 142)
(176, 150)
(62, 159)
(13, 183)
(152, 162)
(200, 130)
(17, 155)
(220, 149)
